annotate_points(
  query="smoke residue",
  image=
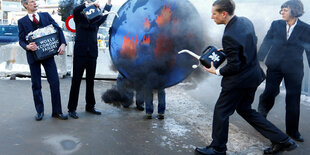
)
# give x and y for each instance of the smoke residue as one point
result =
(145, 49)
(260, 12)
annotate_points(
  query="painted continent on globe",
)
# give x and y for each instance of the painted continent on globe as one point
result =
(146, 38)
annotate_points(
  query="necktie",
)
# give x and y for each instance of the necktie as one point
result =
(35, 19)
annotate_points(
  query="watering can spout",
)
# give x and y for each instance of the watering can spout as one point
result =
(190, 53)
(211, 53)
(110, 12)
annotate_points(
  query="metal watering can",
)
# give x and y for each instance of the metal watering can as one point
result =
(92, 11)
(211, 53)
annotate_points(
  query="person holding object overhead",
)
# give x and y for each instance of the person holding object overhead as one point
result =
(85, 57)
(285, 43)
(32, 21)
(241, 77)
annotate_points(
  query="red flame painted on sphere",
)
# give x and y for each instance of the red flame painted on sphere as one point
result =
(164, 46)
(146, 41)
(129, 48)
(147, 24)
(164, 17)
(164, 50)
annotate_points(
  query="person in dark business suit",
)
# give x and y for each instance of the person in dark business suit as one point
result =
(85, 57)
(29, 23)
(241, 77)
(284, 44)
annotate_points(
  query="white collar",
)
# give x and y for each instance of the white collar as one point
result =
(31, 18)
(289, 29)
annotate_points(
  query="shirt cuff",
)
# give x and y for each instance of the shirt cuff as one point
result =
(218, 72)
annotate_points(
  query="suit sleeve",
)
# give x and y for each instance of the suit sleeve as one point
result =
(232, 50)
(307, 43)
(266, 45)
(22, 36)
(61, 34)
(101, 19)
(77, 13)
(308, 56)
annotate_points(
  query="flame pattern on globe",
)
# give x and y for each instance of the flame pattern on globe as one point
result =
(163, 43)
(146, 37)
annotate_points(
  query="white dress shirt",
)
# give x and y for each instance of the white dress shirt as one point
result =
(218, 72)
(289, 29)
(37, 17)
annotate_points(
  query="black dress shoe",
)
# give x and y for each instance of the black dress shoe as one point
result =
(161, 116)
(287, 145)
(93, 111)
(73, 114)
(60, 116)
(148, 116)
(298, 138)
(39, 116)
(209, 151)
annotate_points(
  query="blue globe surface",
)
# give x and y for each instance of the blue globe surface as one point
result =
(146, 38)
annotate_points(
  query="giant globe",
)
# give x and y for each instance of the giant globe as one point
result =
(146, 37)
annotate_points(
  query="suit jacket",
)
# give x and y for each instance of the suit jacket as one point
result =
(239, 43)
(25, 26)
(86, 32)
(284, 54)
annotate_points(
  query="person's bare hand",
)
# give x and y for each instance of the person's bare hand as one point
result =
(96, 4)
(109, 2)
(62, 49)
(32, 46)
(211, 69)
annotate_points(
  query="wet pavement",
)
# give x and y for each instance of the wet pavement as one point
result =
(116, 131)
(125, 131)
(243, 138)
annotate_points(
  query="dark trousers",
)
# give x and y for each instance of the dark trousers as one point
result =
(124, 86)
(79, 65)
(148, 98)
(139, 98)
(293, 83)
(240, 100)
(53, 80)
